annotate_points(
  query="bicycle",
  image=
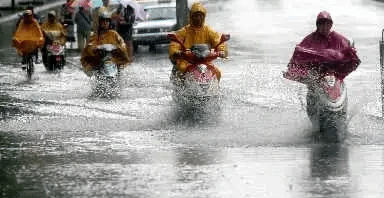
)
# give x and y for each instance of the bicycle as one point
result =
(27, 49)
(29, 65)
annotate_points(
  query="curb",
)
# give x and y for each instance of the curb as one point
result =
(37, 10)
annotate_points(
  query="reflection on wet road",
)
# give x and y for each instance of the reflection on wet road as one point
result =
(55, 141)
(139, 164)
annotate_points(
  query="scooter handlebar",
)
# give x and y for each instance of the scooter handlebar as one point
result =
(173, 37)
(190, 56)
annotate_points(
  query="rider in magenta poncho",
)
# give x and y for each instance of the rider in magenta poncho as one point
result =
(322, 47)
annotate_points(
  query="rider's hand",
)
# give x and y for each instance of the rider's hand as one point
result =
(187, 53)
(177, 55)
(221, 54)
(40, 42)
(17, 42)
(95, 50)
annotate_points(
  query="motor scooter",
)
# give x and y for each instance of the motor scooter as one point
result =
(327, 104)
(53, 53)
(199, 84)
(107, 73)
(327, 99)
(323, 71)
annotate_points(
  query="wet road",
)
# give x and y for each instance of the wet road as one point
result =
(56, 142)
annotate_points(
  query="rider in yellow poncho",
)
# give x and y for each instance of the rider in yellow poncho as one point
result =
(28, 36)
(52, 25)
(54, 33)
(105, 8)
(196, 32)
(90, 58)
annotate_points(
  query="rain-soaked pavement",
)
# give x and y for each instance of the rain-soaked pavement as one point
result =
(57, 142)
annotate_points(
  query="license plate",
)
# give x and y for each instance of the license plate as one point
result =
(58, 58)
(55, 48)
(330, 80)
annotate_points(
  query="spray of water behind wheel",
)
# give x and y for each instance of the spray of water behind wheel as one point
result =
(105, 87)
(197, 104)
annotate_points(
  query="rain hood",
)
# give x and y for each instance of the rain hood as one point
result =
(198, 7)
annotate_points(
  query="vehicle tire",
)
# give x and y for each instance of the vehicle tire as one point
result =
(45, 58)
(135, 47)
(62, 62)
(29, 67)
(55, 64)
(342, 123)
(328, 128)
(312, 109)
(152, 48)
(50, 63)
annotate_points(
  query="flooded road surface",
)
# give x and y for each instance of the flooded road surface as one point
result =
(56, 141)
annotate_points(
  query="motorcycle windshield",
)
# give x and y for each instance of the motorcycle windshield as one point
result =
(109, 69)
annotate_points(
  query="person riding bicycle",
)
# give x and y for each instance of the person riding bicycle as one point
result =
(196, 32)
(52, 25)
(38, 18)
(35, 16)
(90, 58)
(28, 36)
(331, 48)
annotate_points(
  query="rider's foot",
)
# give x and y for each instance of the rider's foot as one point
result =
(23, 67)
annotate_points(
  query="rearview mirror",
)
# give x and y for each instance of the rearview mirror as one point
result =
(173, 37)
(352, 43)
(225, 37)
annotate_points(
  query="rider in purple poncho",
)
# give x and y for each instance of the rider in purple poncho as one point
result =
(320, 48)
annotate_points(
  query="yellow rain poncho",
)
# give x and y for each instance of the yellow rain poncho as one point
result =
(48, 27)
(27, 37)
(195, 35)
(90, 58)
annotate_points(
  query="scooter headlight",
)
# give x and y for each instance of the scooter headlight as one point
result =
(202, 68)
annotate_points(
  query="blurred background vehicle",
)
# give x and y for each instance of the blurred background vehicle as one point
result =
(160, 20)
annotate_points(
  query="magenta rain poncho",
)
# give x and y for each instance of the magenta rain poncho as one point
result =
(333, 50)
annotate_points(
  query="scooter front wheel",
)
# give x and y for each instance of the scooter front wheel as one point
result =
(29, 67)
